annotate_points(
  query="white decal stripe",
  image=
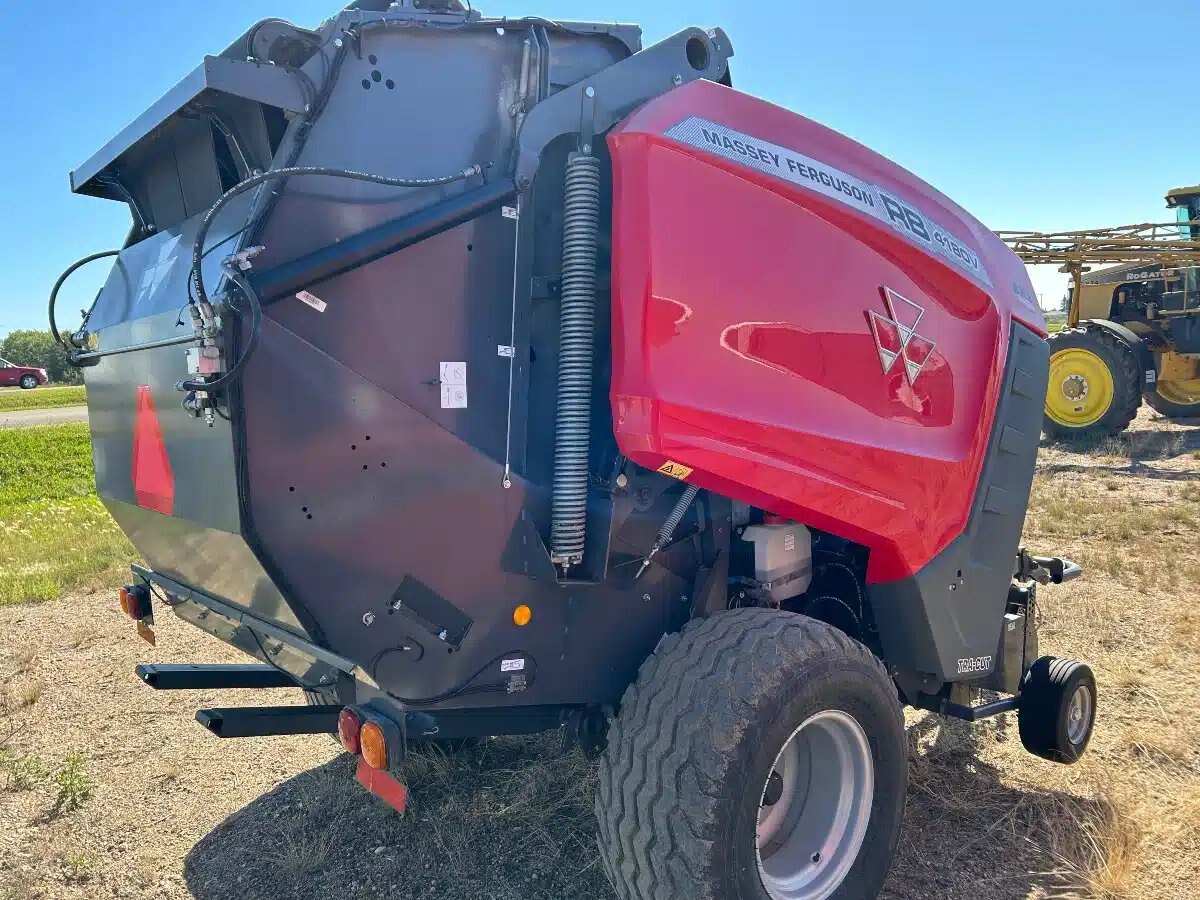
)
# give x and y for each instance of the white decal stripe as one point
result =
(832, 182)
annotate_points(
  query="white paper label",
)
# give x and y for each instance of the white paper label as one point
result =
(312, 300)
(506, 350)
(509, 212)
(789, 541)
(454, 385)
(512, 665)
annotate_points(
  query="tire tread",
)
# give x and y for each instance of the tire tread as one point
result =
(661, 779)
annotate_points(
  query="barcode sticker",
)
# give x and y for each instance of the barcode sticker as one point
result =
(312, 300)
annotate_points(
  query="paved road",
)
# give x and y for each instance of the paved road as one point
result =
(23, 418)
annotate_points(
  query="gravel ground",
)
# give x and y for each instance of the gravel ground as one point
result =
(24, 418)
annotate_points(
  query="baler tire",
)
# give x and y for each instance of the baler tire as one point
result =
(1122, 367)
(700, 734)
(1044, 714)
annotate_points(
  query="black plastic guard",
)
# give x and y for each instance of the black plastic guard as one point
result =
(944, 621)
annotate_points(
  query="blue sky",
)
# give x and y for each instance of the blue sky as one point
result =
(1017, 110)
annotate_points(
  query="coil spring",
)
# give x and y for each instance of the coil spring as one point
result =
(672, 521)
(581, 221)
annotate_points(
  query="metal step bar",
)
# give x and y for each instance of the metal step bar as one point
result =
(195, 677)
(263, 721)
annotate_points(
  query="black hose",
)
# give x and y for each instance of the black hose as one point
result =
(58, 284)
(290, 172)
(251, 343)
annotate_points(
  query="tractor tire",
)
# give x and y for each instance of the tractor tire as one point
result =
(1094, 388)
(1057, 709)
(28, 382)
(1172, 409)
(759, 755)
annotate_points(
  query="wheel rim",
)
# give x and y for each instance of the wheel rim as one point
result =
(815, 808)
(1080, 389)
(1079, 714)
(1182, 393)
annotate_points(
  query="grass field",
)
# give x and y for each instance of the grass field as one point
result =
(281, 818)
(42, 398)
(54, 533)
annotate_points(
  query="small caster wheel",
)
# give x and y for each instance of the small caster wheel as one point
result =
(1057, 709)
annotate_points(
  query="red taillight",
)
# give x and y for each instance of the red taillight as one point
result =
(349, 730)
(135, 601)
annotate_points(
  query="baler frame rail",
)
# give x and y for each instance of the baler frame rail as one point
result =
(266, 721)
(212, 677)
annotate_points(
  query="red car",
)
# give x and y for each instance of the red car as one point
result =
(25, 376)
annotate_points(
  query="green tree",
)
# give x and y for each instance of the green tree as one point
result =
(37, 348)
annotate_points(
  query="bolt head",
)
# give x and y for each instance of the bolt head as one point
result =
(678, 79)
(589, 91)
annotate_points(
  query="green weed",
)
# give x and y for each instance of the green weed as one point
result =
(74, 784)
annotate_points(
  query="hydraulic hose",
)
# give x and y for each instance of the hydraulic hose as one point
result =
(291, 172)
(235, 370)
(577, 314)
(78, 264)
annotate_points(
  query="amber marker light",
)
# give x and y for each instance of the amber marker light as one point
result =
(373, 744)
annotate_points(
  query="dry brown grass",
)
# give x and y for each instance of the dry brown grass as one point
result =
(511, 819)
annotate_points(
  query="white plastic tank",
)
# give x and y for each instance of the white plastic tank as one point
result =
(782, 558)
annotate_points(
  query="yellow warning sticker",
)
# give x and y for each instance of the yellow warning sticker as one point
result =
(675, 470)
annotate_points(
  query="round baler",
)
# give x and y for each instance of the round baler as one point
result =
(490, 376)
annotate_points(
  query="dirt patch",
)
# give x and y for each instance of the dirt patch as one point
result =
(172, 812)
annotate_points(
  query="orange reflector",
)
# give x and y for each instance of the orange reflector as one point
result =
(127, 604)
(373, 745)
(522, 614)
(349, 728)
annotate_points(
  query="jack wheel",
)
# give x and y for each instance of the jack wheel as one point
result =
(1057, 709)
(759, 755)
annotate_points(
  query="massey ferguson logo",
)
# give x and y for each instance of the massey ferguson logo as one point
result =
(896, 335)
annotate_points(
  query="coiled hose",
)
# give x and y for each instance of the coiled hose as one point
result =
(581, 223)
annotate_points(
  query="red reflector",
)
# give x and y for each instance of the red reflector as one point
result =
(382, 785)
(153, 480)
(349, 727)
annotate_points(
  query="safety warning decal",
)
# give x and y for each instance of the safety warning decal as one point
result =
(832, 182)
(675, 470)
(453, 382)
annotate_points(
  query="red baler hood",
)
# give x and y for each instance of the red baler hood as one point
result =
(806, 325)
